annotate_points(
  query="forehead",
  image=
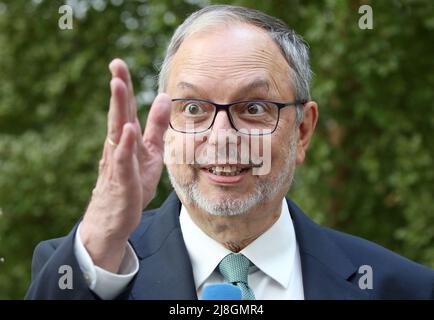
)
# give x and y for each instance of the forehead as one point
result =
(228, 57)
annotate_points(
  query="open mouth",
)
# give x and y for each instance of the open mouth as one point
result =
(226, 174)
(226, 170)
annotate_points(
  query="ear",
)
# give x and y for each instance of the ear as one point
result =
(306, 129)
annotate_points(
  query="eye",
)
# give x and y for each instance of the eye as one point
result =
(255, 108)
(193, 108)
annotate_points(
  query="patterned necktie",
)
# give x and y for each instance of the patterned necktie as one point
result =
(235, 268)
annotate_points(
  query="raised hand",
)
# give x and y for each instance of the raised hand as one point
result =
(129, 171)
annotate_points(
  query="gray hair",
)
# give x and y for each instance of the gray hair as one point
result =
(293, 47)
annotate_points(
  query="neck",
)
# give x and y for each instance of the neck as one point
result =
(237, 232)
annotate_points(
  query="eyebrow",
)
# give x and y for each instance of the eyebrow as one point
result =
(258, 83)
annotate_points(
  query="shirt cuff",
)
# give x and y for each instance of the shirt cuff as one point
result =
(105, 284)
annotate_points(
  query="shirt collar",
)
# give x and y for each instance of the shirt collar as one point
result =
(205, 253)
(273, 252)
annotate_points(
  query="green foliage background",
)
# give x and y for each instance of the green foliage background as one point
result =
(369, 170)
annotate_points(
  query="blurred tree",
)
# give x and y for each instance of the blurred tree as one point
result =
(369, 169)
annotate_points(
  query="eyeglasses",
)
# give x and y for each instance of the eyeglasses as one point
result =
(250, 117)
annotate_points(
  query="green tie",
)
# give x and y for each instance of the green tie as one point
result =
(235, 268)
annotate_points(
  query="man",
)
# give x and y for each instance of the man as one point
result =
(237, 71)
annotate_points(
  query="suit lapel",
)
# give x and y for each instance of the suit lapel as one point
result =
(327, 272)
(165, 269)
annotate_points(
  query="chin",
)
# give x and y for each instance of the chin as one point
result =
(221, 193)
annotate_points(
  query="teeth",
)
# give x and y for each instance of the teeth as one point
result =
(225, 171)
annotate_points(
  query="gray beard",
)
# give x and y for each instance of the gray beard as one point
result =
(265, 190)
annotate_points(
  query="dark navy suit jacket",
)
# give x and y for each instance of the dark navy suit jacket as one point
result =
(330, 262)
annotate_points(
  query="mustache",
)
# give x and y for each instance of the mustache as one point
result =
(250, 164)
(226, 156)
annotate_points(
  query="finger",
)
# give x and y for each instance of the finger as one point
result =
(104, 159)
(140, 147)
(118, 114)
(119, 69)
(125, 152)
(157, 123)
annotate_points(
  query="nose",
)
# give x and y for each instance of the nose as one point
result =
(222, 129)
(222, 121)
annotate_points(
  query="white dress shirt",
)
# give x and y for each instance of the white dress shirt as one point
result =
(103, 283)
(275, 254)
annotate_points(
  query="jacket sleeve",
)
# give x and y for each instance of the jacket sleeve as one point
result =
(56, 273)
